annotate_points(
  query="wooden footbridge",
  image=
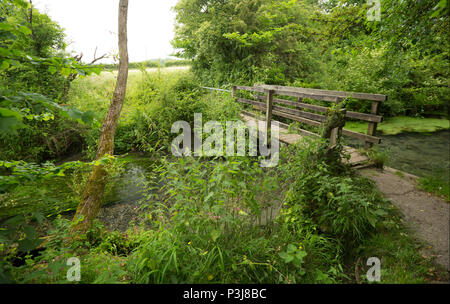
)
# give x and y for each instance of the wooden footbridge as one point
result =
(272, 100)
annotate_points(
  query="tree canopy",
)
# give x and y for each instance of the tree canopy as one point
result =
(323, 44)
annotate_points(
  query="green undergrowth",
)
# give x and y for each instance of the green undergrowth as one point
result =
(202, 223)
(401, 257)
(154, 101)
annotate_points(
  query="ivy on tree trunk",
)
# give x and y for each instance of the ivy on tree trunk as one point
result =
(332, 132)
(90, 204)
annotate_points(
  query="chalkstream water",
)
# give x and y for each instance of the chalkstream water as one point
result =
(420, 154)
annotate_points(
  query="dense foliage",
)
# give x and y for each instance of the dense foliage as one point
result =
(210, 219)
(323, 44)
(33, 70)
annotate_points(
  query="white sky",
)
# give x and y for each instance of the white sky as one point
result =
(93, 23)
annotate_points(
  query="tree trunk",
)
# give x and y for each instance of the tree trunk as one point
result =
(90, 204)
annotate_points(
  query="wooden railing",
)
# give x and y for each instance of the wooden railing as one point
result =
(315, 114)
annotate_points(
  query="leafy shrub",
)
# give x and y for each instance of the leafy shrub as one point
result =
(39, 141)
(162, 100)
(339, 205)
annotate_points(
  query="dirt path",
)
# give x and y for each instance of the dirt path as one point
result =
(424, 213)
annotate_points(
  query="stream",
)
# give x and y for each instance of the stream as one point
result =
(420, 154)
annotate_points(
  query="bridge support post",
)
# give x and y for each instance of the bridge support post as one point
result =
(372, 129)
(269, 104)
(233, 92)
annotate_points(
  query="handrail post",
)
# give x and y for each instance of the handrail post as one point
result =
(233, 92)
(372, 129)
(269, 104)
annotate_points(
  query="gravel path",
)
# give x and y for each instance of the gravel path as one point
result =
(427, 215)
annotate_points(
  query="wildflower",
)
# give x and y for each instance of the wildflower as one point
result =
(189, 243)
(210, 277)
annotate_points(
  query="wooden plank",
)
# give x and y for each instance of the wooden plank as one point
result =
(296, 118)
(330, 93)
(364, 116)
(308, 115)
(306, 95)
(355, 157)
(261, 105)
(290, 138)
(284, 125)
(349, 114)
(363, 137)
(303, 132)
(251, 89)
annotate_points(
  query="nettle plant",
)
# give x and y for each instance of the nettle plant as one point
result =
(338, 204)
(201, 196)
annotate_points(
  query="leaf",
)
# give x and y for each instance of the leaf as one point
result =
(66, 71)
(300, 255)
(9, 124)
(291, 248)
(39, 217)
(81, 72)
(210, 194)
(28, 245)
(74, 113)
(215, 234)
(25, 30)
(30, 232)
(52, 69)
(5, 64)
(380, 212)
(88, 117)
(286, 257)
(17, 220)
(9, 113)
(372, 220)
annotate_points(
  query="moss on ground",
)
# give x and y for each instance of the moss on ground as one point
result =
(402, 124)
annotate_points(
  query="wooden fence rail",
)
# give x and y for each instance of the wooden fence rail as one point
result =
(277, 106)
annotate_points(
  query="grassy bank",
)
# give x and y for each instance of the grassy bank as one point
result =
(439, 185)
(402, 124)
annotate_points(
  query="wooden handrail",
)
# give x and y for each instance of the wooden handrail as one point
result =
(310, 118)
(329, 93)
(349, 114)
